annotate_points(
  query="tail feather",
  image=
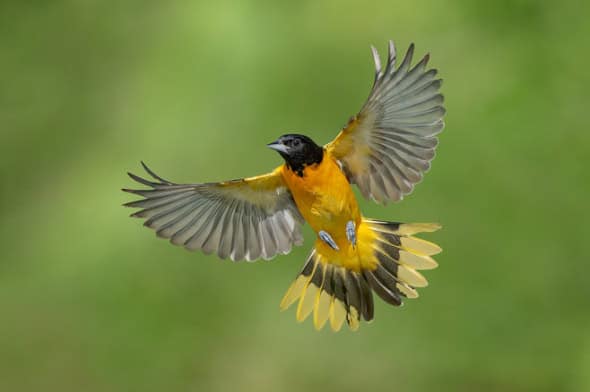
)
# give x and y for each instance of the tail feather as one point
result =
(321, 312)
(309, 293)
(387, 292)
(388, 264)
(338, 308)
(332, 292)
(399, 256)
(367, 306)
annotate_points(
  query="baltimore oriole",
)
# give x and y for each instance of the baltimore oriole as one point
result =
(384, 150)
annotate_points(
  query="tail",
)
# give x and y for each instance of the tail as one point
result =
(386, 261)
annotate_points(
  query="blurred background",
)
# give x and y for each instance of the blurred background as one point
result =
(90, 300)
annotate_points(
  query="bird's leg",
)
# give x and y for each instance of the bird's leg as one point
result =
(327, 238)
(351, 232)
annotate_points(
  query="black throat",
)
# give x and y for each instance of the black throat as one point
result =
(298, 151)
(310, 155)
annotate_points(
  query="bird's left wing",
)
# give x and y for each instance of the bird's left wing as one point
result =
(386, 148)
(241, 219)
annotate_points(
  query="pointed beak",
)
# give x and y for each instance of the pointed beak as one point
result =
(280, 147)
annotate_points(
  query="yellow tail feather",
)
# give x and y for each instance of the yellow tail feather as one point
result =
(387, 261)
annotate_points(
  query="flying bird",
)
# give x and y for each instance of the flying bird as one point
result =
(384, 150)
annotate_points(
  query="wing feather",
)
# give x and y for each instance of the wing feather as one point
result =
(240, 219)
(388, 146)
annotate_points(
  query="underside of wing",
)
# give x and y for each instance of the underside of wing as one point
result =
(388, 146)
(247, 219)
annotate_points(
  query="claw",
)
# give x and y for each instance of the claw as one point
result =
(351, 232)
(327, 238)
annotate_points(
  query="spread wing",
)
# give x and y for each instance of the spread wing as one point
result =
(386, 148)
(241, 219)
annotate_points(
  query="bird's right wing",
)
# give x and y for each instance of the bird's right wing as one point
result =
(249, 218)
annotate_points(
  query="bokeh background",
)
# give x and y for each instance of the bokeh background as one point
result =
(92, 301)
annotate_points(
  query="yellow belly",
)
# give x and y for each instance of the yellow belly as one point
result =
(324, 198)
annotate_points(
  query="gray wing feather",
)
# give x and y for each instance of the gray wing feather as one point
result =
(404, 113)
(214, 220)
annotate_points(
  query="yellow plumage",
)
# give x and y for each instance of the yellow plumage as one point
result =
(324, 197)
(385, 150)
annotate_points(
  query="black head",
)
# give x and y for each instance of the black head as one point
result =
(298, 151)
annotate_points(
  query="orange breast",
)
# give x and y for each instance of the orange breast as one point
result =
(324, 198)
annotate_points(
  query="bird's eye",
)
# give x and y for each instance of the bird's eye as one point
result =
(296, 143)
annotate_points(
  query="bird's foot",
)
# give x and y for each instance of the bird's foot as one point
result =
(327, 238)
(351, 232)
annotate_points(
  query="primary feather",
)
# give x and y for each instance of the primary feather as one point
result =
(243, 219)
(386, 148)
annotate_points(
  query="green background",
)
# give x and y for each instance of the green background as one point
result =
(92, 301)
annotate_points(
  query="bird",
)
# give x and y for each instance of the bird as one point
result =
(384, 150)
